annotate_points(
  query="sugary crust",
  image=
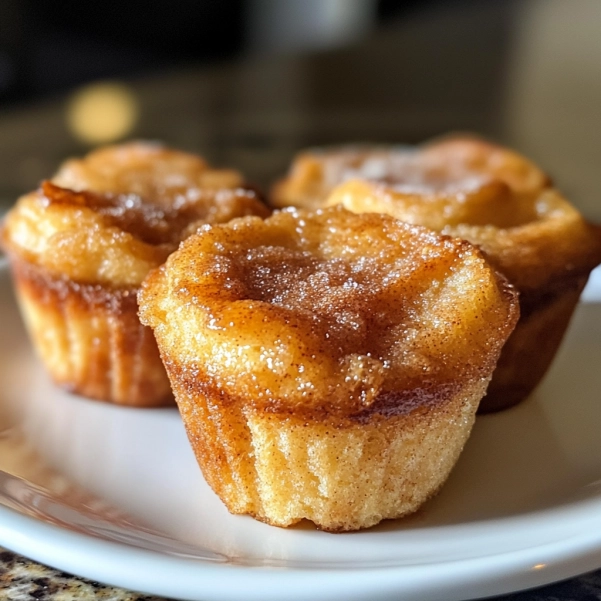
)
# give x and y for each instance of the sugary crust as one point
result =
(91, 339)
(158, 174)
(442, 167)
(329, 314)
(111, 239)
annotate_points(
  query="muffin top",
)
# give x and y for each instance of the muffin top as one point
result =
(157, 174)
(328, 312)
(132, 206)
(538, 240)
(444, 167)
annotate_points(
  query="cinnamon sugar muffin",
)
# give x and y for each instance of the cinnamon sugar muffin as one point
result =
(327, 365)
(78, 259)
(502, 203)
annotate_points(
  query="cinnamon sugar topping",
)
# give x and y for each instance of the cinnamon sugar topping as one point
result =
(327, 311)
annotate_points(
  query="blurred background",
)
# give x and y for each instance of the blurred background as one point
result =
(249, 82)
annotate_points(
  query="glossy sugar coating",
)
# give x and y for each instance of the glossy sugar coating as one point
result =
(321, 341)
(112, 239)
(327, 311)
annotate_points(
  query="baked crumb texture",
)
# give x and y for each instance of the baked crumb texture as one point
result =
(492, 197)
(327, 365)
(78, 258)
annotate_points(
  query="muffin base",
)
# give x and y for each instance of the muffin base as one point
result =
(529, 351)
(90, 339)
(281, 469)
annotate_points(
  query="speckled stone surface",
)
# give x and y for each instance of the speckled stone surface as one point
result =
(25, 580)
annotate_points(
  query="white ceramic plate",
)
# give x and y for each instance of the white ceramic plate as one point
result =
(114, 495)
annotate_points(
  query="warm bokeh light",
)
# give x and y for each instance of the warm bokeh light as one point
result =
(102, 113)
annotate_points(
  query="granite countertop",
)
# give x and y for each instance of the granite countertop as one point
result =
(25, 580)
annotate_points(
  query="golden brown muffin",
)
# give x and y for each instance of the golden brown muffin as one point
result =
(78, 259)
(502, 203)
(327, 365)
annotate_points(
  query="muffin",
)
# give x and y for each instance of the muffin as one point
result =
(79, 257)
(327, 366)
(505, 205)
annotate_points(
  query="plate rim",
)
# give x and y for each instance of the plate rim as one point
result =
(196, 580)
